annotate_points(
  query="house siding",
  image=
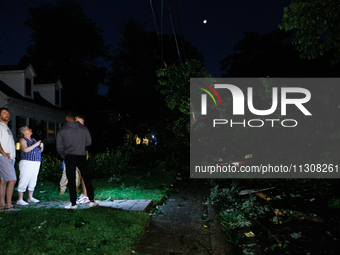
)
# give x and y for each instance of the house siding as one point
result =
(2, 99)
(36, 112)
(15, 80)
(46, 91)
(41, 113)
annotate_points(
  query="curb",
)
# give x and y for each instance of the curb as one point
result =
(218, 240)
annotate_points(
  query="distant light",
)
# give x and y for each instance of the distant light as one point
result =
(153, 136)
(205, 21)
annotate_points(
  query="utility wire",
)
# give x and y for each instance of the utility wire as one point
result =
(162, 55)
(180, 30)
(154, 16)
(158, 27)
(173, 29)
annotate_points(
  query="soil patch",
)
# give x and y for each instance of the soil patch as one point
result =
(181, 225)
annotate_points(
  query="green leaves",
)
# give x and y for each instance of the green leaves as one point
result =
(317, 27)
(174, 83)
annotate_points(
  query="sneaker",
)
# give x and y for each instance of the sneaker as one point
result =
(70, 206)
(79, 198)
(11, 209)
(94, 204)
(83, 200)
(21, 202)
(33, 200)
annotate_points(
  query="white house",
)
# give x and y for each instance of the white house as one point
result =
(35, 105)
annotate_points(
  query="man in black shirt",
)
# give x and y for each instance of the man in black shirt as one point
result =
(72, 140)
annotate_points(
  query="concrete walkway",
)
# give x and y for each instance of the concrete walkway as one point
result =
(129, 205)
(184, 224)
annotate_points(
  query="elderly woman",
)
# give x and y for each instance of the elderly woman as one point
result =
(29, 164)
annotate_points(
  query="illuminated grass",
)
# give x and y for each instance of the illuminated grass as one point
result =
(87, 231)
(60, 231)
(148, 184)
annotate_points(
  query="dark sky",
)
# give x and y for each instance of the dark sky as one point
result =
(226, 23)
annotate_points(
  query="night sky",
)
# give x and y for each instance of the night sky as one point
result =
(226, 23)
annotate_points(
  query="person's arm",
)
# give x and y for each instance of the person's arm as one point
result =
(88, 139)
(60, 145)
(41, 147)
(26, 148)
(7, 155)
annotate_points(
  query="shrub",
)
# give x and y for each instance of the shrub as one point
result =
(50, 169)
(110, 163)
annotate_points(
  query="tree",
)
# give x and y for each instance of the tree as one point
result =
(174, 83)
(133, 81)
(273, 55)
(67, 45)
(260, 55)
(317, 27)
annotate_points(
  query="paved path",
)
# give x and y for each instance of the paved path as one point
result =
(184, 225)
(129, 205)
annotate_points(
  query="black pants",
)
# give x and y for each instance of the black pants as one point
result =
(73, 161)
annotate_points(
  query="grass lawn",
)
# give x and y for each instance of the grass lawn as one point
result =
(151, 184)
(60, 231)
(87, 231)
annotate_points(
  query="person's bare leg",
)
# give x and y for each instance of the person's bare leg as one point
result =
(82, 184)
(30, 194)
(84, 188)
(20, 195)
(2, 193)
(9, 193)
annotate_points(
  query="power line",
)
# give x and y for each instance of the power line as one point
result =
(180, 29)
(173, 29)
(154, 16)
(158, 27)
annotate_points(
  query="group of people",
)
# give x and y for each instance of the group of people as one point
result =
(72, 140)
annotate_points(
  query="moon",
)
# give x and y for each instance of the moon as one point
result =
(205, 21)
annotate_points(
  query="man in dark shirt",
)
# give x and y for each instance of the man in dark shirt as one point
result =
(72, 140)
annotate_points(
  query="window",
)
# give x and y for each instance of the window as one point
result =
(28, 88)
(43, 129)
(51, 130)
(57, 97)
(20, 122)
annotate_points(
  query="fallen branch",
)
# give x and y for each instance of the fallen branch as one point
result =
(298, 215)
(250, 191)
